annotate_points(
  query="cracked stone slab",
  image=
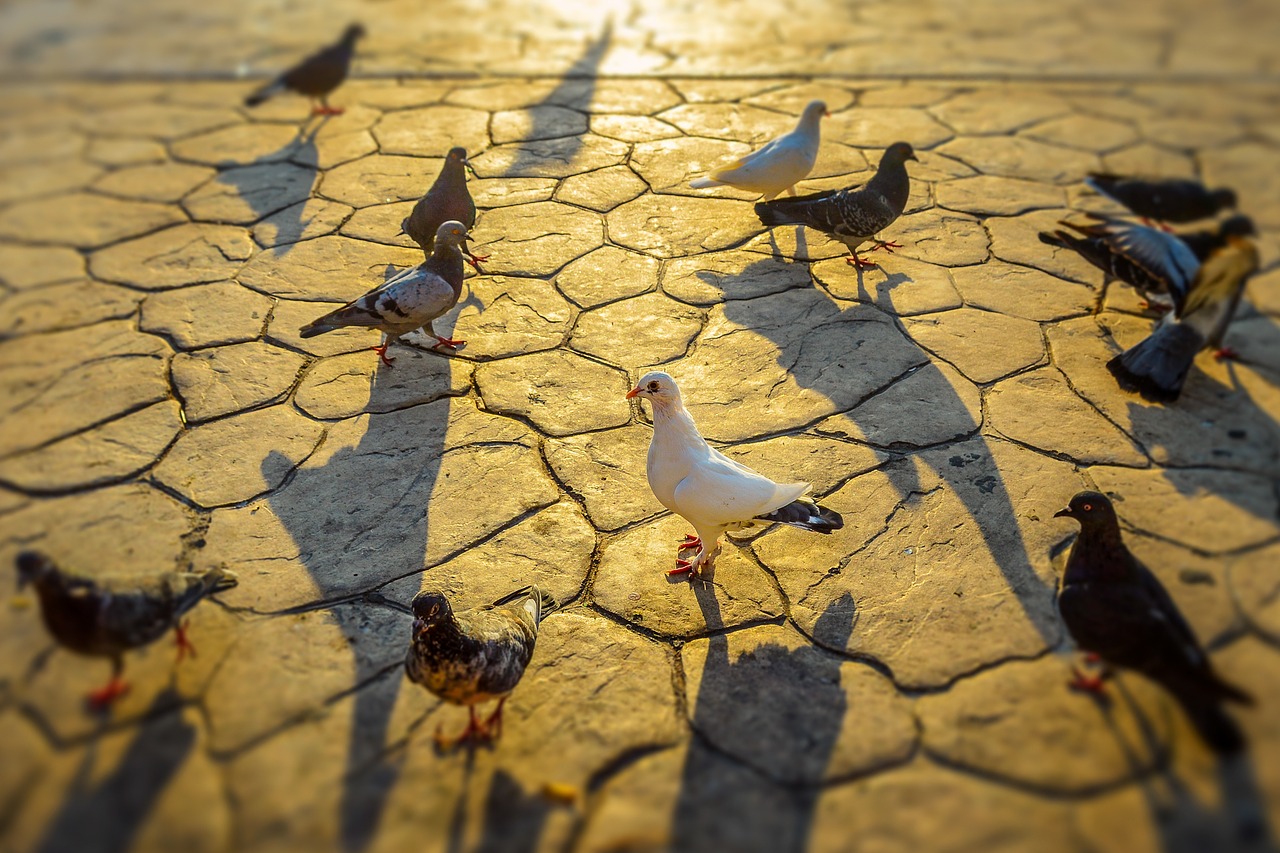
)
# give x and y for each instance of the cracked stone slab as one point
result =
(345, 385)
(642, 330)
(379, 179)
(805, 733)
(942, 533)
(75, 382)
(288, 316)
(318, 538)
(561, 393)
(1088, 133)
(550, 158)
(1015, 239)
(124, 151)
(243, 195)
(735, 122)
(1041, 410)
(239, 145)
(820, 461)
(964, 338)
(783, 361)
(607, 274)
(715, 277)
(1018, 291)
(879, 127)
(983, 723)
(677, 226)
(84, 220)
(605, 470)
(601, 190)
(898, 285)
(23, 182)
(667, 165)
(432, 131)
(1231, 510)
(631, 582)
(210, 314)
(185, 254)
(542, 121)
(380, 223)
(162, 182)
(997, 111)
(331, 269)
(100, 455)
(1254, 579)
(631, 128)
(939, 237)
(535, 239)
(505, 316)
(1019, 157)
(992, 195)
(161, 121)
(936, 400)
(238, 458)
(24, 267)
(65, 306)
(503, 192)
(222, 380)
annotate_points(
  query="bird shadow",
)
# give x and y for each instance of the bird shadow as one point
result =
(787, 740)
(107, 815)
(360, 520)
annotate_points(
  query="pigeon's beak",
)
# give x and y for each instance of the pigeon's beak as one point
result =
(466, 164)
(827, 113)
(634, 392)
(913, 157)
(1064, 513)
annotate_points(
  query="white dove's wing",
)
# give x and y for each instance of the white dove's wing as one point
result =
(719, 491)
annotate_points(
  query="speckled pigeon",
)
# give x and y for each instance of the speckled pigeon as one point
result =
(412, 300)
(1157, 367)
(777, 166)
(1115, 608)
(316, 76)
(854, 215)
(1172, 200)
(107, 616)
(474, 656)
(448, 199)
(708, 489)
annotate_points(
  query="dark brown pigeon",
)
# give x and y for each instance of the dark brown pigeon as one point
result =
(854, 215)
(448, 199)
(1115, 608)
(474, 656)
(105, 617)
(316, 76)
(1157, 367)
(1173, 200)
(414, 299)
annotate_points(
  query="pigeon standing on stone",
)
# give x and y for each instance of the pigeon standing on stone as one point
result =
(412, 300)
(105, 617)
(777, 166)
(854, 215)
(708, 489)
(474, 656)
(316, 76)
(1173, 200)
(1115, 608)
(1157, 367)
(448, 199)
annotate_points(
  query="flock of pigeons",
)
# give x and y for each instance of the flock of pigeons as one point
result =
(1114, 607)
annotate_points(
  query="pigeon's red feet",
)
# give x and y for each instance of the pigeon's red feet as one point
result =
(104, 697)
(1227, 353)
(447, 342)
(690, 541)
(476, 260)
(683, 567)
(860, 263)
(887, 245)
(1092, 657)
(382, 353)
(183, 643)
(325, 110)
(475, 733)
(493, 725)
(1094, 684)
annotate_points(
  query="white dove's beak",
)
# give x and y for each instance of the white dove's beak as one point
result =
(634, 392)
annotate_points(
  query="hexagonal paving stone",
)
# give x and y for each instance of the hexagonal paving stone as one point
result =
(561, 393)
(65, 306)
(84, 220)
(379, 179)
(335, 268)
(1022, 292)
(184, 254)
(714, 277)
(964, 337)
(535, 239)
(674, 226)
(227, 379)
(647, 329)
(898, 284)
(994, 111)
(602, 190)
(347, 385)
(936, 400)
(508, 316)
(607, 274)
(878, 128)
(243, 195)
(550, 158)
(432, 131)
(1017, 157)
(164, 182)
(23, 267)
(985, 195)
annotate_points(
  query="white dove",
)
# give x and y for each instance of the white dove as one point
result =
(708, 489)
(779, 165)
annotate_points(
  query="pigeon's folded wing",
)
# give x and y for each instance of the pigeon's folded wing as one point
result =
(720, 491)
(1161, 253)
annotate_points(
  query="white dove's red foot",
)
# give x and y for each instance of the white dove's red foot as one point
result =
(382, 353)
(183, 642)
(1225, 353)
(690, 541)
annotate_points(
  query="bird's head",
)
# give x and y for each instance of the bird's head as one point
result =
(451, 233)
(429, 608)
(658, 388)
(1238, 226)
(899, 152)
(32, 566)
(353, 32)
(1225, 199)
(814, 110)
(1091, 509)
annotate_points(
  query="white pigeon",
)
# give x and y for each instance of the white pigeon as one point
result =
(708, 489)
(779, 165)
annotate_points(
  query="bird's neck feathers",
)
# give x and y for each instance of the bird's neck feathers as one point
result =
(1099, 554)
(453, 173)
(892, 181)
(810, 123)
(672, 421)
(446, 261)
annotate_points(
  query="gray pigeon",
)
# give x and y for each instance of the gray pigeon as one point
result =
(105, 617)
(854, 215)
(448, 199)
(474, 656)
(1173, 200)
(1115, 608)
(1157, 367)
(316, 76)
(412, 300)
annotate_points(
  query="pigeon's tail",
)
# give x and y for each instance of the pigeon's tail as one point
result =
(1215, 725)
(771, 213)
(704, 182)
(546, 601)
(220, 580)
(272, 88)
(806, 514)
(1157, 367)
(1061, 239)
(316, 327)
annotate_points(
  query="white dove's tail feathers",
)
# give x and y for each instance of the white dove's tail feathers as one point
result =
(1157, 367)
(704, 182)
(806, 514)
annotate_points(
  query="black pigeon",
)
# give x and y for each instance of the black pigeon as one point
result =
(474, 656)
(1115, 608)
(1174, 200)
(414, 299)
(316, 76)
(448, 199)
(1157, 367)
(105, 617)
(854, 215)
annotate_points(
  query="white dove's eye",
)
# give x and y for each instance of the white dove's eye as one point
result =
(653, 386)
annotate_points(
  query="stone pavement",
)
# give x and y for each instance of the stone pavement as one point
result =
(900, 685)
